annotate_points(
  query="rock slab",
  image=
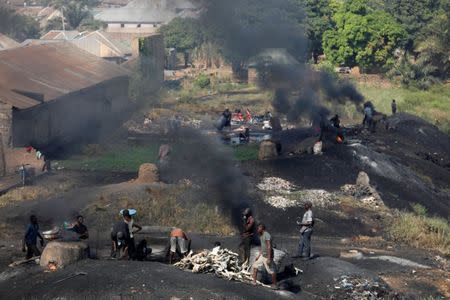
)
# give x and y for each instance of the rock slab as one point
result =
(64, 253)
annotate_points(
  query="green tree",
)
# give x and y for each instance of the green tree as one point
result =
(17, 26)
(434, 45)
(75, 11)
(413, 15)
(183, 34)
(318, 20)
(363, 36)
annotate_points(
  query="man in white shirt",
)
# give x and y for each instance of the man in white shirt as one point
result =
(306, 230)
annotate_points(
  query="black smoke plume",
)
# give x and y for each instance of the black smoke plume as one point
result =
(205, 161)
(245, 28)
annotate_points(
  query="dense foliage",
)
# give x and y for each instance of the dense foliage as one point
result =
(183, 34)
(18, 27)
(362, 36)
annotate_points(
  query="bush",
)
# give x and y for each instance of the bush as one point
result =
(421, 231)
(202, 81)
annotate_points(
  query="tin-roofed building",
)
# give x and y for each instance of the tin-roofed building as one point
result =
(7, 42)
(143, 15)
(57, 93)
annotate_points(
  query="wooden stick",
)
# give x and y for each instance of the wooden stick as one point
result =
(23, 261)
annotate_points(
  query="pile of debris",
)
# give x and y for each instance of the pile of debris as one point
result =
(283, 194)
(357, 288)
(222, 262)
(281, 202)
(363, 191)
(276, 184)
(319, 198)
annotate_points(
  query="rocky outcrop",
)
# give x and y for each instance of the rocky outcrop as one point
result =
(267, 150)
(62, 253)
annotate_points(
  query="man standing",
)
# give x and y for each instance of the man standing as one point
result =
(30, 239)
(80, 229)
(265, 256)
(178, 238)
(247, 235)
(130, 222)
(394, 107)
(306, 230)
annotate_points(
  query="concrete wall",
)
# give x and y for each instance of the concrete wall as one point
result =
(133, 28)
(78, 116)
(5, 123)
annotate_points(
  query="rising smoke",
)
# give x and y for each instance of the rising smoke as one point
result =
(205, 161)
(248, 27)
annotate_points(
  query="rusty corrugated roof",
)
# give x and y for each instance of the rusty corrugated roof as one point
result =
(51, 70)
(7, 42)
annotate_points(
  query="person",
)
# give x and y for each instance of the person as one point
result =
(47, 165)
(227, 117)
(143, 250)
(268, 116)
(335, 121)
(244, 137)
(30, 239)
(323, 126)
(163, 155)
(24, 175)
(368, 115)
(247, 235)
(265, 256)
(38, 155)
(131, 225)
(178, 238)
(80, 229)
(120, 236)
(394, 107)
(306, 230)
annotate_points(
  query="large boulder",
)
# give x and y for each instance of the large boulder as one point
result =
(363, 179)
(63, 253)
(267, 150)
(148, 173)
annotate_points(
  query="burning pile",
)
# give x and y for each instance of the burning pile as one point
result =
(222, 262)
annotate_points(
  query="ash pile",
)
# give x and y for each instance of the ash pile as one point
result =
(357, 288)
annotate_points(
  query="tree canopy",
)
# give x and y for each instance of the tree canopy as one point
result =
(183, 34)
(362, 36)
(17, 26)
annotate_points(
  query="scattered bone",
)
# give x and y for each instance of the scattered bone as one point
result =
(222, 262)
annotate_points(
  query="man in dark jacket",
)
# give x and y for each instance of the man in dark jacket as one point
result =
(247, 235)
(30, 239)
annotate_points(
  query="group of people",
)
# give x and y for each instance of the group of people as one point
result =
(32, 233)
(265, 257)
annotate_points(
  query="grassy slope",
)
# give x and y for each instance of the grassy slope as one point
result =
(433, 105)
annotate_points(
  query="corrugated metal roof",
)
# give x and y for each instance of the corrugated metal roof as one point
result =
(51, 70)
(7, 42)
(60, 35)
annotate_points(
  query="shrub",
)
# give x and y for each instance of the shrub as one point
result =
(202, 81)
(421, 231)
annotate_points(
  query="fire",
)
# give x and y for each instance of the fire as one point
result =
(52, 266)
